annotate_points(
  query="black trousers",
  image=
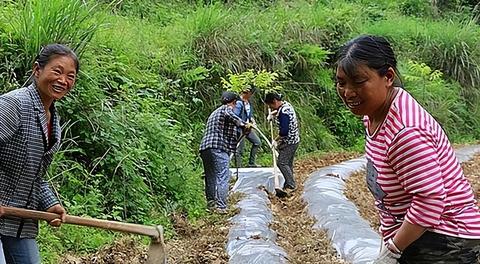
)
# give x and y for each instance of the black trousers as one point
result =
(286, 154)
(433, 248)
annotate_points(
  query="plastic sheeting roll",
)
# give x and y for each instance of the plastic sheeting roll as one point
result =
(250, 240)
(351, 235)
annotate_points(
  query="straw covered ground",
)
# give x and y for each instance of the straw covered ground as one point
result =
(204, 241)
(356, 190)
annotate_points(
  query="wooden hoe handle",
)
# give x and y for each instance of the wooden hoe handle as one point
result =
(151, 231)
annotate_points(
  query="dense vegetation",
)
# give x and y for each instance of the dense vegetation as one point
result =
(152, 70)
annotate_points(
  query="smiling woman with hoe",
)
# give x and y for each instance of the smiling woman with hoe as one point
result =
(29, 136)
(427, 209)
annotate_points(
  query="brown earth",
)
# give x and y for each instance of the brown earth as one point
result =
(292, 223)
(199, 242)
(472, 172)
(204, 241)
(126, 250)
(356, 190)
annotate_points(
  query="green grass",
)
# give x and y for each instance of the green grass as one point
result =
(445, 45)
(55, 242)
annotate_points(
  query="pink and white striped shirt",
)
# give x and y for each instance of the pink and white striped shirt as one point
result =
(414, 174)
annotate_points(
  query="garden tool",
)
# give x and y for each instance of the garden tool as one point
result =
(267, 140)
(239, 140)
(278, 191)
(156, 252)
(236, 149)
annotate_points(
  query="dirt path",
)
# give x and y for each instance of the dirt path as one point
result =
(204, 241)
(200, 242)
(127, 250)
(294, 226)
(357, 191)
(472, 172)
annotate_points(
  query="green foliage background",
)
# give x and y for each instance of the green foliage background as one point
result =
(152, 70)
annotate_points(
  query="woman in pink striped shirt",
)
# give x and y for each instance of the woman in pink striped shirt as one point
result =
(427, 208)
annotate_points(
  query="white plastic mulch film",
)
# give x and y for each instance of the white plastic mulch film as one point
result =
(250, 240)
(351, 235)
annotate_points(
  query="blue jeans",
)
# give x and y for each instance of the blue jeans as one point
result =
(2, 256)
(20, 250)
(217, 175)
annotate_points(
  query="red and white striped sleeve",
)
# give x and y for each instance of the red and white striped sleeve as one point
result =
(414, 158)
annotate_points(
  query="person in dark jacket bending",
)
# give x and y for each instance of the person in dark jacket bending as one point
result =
(219, 141)
(288, 137)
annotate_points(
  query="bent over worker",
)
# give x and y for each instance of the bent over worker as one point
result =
(426, 206)
(288, 137)
(219, 141)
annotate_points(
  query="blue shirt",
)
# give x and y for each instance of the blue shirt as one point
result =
(243, 111)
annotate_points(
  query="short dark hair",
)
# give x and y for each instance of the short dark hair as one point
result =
(249, 89)
(52, 50)
(228, 97)
(270, 96)
(373, 51)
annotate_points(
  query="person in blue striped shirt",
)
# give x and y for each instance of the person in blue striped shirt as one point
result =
(30, 134)
(244, 110)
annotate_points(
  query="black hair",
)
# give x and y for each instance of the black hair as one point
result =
(270, 96)
(249, 89)
(52, 50)
(373, 51)
(228, 97)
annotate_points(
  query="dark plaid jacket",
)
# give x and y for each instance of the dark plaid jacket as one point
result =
(221, 130)
(24, 157)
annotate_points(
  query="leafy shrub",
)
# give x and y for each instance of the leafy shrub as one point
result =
(418, 8)
(55, 242)
(441, 98)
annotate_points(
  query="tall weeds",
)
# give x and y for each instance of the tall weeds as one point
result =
(446, 45)
(41, 22)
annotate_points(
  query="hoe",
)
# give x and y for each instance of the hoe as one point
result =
(156, 251)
